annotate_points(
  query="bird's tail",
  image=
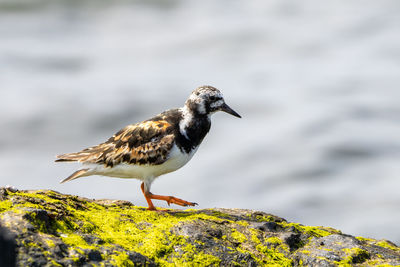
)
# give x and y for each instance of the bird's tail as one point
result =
(85, 155)
(75, 175)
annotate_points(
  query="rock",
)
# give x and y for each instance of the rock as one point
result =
(139, 259)
(94, 255)
(7, 248)
(3, 193)
(268, 226)
(53, 229)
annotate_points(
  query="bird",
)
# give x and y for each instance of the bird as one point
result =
(154, 147)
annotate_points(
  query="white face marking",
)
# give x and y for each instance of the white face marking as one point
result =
(217, 103)
(201, 108)
(199, 100)
(202, 96)
(184, 123)
(195, 98)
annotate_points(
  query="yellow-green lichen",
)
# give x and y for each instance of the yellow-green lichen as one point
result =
(134, 229)
(277, 243)
(315, 231)
(353, 255)
(242, 223)
(29, 244)
(5, 205)
(364, 239)
(261, 218)
(254, 236)
(378, 263)
(197, 259)
(54, 263)
(85, 225)
(114, 225)
(121, 259)
(273, 240)
(76, 241)
(271, 255)
(307, 252)
(49, 243)
(274, 257)
(155, 241)
(386, 244)
(238, 236)
(40, 194)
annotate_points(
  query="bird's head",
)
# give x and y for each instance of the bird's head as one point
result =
(206, 100)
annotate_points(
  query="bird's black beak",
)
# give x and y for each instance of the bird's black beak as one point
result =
(227, 109)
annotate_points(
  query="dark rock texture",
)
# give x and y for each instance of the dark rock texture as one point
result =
(8, 252)
(47, 228)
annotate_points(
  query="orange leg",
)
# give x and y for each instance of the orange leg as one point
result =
(149, 196)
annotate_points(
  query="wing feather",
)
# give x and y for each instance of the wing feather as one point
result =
(148, 142)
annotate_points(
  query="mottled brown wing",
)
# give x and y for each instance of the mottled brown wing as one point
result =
(148, 142)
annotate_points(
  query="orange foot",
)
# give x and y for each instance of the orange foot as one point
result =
(170, 199)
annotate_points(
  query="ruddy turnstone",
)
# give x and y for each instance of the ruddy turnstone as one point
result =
(155, 146)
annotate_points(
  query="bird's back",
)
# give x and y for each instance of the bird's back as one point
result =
(147, 142)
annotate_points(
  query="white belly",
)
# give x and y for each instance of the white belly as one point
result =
(176, 160)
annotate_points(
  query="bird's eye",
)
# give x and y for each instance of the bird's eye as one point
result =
(212, 98)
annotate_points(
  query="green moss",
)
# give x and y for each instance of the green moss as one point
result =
(123, 226)
(132, 228)
(277, 243)
(49, 243)
(274, 240)
(263, 255)
(254, 236)
(5, 205)
(261, 218)
(315, 231)
(121, 259)
(353, 256)
(76, 241)
(386, 244)
(238, 236)
(242, 223)
(152, 234)
(364, 239)
(54, 263)
(37, 200)
(215, 213)
(29, 244)
(325, 259)
(377, 263)
(40, 194)
(197, 259)
(40, 224)
(307, 252)
(274, 257)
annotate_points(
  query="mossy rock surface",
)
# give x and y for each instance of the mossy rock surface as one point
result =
(53, 229)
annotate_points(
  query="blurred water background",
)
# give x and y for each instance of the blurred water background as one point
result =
(317, 84)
